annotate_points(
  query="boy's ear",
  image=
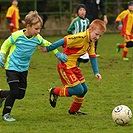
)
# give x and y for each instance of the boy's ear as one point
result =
(90, 29)
(28, 25)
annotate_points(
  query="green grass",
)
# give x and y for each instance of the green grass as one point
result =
(35, 115)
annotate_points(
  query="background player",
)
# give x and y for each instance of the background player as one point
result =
(13, 17)
(125, 25)
(80, 24)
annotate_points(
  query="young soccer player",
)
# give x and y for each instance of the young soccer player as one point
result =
(125, 22)
(70, 74)
(80, 24)
(22, 45)
(13, 17)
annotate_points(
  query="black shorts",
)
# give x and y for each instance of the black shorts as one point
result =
(14, 76)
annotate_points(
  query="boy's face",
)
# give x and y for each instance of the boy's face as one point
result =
(15, 2)
(34, 30)
(95, 34)
(130, 8)
(82, 12)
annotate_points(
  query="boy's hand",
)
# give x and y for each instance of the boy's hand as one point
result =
(120, 27)
(98, 76)
(2, 59)
(42, 49)
(62, 57)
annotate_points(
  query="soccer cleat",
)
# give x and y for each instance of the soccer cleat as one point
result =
(79, 112)
(125, 58)
(117, 47)
(7, 117)
(52, 97)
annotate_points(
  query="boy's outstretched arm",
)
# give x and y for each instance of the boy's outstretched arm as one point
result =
(94, 64)
(52, 47)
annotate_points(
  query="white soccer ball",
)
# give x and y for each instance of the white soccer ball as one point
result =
(121, 115)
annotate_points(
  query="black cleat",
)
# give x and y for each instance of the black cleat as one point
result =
(52, 97)
(79, 112)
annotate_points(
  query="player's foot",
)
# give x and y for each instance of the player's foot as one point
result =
(125, 58)
(78, 112)
(52, 97)
(118, 47)
(1, 100)
(7, 117)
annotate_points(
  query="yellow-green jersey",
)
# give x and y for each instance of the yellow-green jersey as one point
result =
(21, 50)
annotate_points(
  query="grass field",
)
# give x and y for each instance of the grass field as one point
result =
(35, 115)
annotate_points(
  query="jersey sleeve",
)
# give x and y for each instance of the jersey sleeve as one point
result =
(5, 46)
(9, 13)
(120, 16)
(71, 27)
(47, 43)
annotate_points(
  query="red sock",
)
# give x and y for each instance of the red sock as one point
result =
(75, 107)
(76, 104)
(124, 54)
(121, 45)
(61, 92)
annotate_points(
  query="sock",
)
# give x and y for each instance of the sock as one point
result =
(121, 45)
(62, 92)
(76, 104)
(125, 50)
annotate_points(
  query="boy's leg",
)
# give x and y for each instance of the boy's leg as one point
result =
(17, 91)
(124, 54)
(119, 46)
(3, 95)
(78, 100)
(10, 99)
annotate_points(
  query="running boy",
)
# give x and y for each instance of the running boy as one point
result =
(80, 24)
(22, 45)
(70, 75)
(125, 25)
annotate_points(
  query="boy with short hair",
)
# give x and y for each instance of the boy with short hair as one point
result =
(80, 24)
(70, 74)
(22, 45)
(125, 22)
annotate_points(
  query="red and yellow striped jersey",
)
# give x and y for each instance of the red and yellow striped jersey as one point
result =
(77, 45)
(13, 14)
(126, 17)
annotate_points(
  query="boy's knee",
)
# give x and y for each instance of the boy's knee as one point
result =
(16, 95)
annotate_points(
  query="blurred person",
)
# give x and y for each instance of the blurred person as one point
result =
(125, 25)
(92, 7)
(80, 24)
(71, 76)
(13, 17)
(41, 8)
(22, 45)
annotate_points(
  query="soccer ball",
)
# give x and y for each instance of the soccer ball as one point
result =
(121, 115)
